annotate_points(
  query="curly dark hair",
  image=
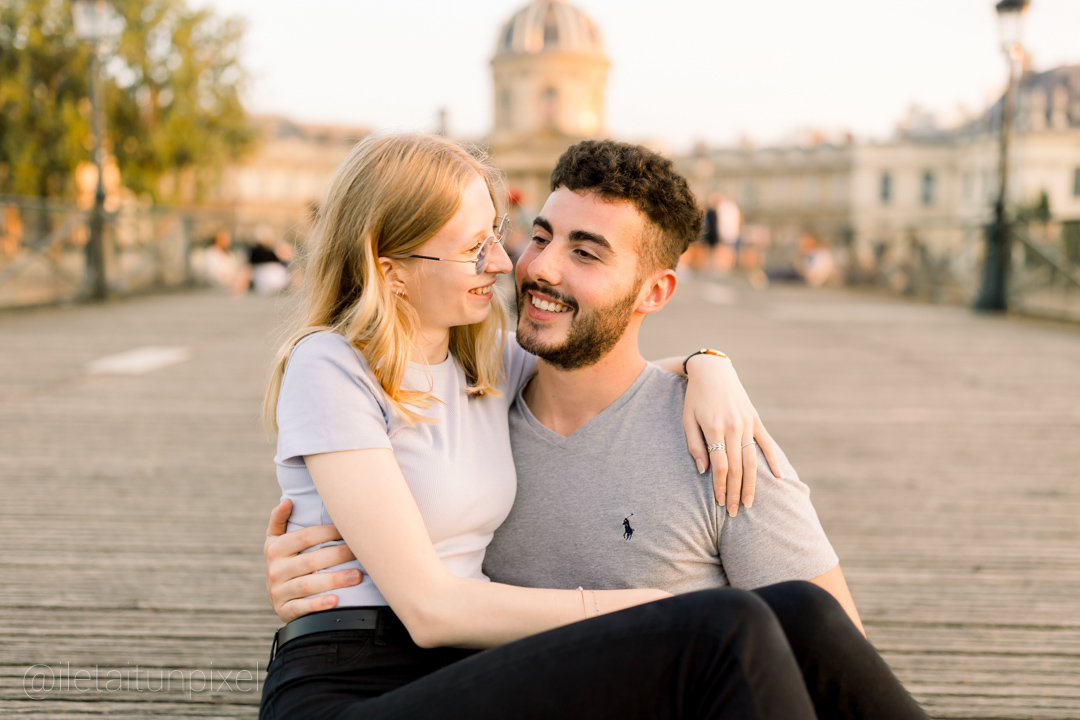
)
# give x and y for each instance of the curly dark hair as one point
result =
(622, 171)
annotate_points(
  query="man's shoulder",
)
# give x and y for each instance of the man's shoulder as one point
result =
(663, 387)
(653, 411)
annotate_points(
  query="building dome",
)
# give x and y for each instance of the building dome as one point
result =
(546, 26)
(550, 77)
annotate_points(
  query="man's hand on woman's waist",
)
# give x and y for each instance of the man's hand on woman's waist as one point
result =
(291, 573)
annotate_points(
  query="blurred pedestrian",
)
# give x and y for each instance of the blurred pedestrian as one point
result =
(520, 223)
(219, 264)
(729, 223)
(815, 261)
(755, 239)
(266, 272)
(710, 232)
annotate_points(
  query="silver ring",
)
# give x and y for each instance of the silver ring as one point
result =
(716, 446)
(750, 443)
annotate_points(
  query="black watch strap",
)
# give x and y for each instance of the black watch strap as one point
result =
(702, 351)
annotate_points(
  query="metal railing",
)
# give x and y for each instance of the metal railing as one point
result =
(1043, 280)
(43, 251)
(940, 263)
(43, 248)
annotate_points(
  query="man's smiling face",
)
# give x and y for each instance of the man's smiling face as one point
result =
(578, 279)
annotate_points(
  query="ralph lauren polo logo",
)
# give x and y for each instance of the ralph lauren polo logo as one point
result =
(628, 532)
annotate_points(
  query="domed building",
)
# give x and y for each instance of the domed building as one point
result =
(550, 73)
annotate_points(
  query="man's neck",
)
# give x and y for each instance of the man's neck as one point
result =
(564, 401)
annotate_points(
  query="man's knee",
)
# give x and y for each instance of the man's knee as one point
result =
(723, 609)
(805, 610)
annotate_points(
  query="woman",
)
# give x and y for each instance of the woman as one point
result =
(391, 405)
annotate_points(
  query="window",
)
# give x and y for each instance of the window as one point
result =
(780, 190)
(551, 27)
(749, 192)
(1070, 231)
(506, 106)
(839, 189)
(886, 188)
(927, 188)
(550, 106)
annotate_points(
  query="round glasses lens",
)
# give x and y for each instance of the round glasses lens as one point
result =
(500, 233)
(481, 258)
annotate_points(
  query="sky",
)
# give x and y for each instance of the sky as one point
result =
(682, 71)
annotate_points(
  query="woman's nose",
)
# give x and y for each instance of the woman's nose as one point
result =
(498, 261)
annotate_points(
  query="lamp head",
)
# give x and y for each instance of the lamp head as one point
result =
(93, 19)
(1011, 15)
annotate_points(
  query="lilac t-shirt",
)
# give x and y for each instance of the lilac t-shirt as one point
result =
(460, 469)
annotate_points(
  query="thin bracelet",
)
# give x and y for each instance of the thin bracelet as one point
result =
(584, 607)
(595, 600)
(702, 351)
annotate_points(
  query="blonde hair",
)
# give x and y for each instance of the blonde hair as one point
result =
(390, 196)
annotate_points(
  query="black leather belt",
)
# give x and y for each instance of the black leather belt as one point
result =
(356, 618)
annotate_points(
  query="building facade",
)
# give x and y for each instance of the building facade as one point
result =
(277, 187)
(927, 190)
(550, 78)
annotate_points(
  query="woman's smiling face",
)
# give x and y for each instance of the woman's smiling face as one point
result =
(449, 294)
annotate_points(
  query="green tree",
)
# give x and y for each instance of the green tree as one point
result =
(173, 82)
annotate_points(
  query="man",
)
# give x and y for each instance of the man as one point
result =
(608, 496)
(730, 226)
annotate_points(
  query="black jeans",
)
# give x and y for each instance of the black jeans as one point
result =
(713, 654)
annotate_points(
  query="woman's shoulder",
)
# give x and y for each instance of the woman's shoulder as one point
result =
(323, 342)
(326, 354)
(327, 345)
(329, 400)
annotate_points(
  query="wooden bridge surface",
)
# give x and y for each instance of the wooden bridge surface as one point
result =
(943, 450)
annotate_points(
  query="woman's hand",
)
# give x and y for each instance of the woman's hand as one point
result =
(718, 411)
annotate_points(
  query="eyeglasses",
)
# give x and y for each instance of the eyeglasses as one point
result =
(482, 257)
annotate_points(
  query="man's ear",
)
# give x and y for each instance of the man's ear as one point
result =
(657, 290)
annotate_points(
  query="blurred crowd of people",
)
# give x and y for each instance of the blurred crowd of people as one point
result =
(727, 245)
(264, 266)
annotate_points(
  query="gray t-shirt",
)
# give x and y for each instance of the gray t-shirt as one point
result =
(620, 504)
(459, 469)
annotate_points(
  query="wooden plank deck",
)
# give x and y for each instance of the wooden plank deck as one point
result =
(942, 449)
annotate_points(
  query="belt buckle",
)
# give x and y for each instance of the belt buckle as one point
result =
(273, 648)
(380, 628)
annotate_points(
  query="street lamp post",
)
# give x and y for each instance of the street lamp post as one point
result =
(993, 297)
(92, 19)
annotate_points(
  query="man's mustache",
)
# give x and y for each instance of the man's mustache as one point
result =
(549, 291)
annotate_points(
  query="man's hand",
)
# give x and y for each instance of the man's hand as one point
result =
(289, 570)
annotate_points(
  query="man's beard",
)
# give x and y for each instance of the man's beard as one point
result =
(592, 334)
